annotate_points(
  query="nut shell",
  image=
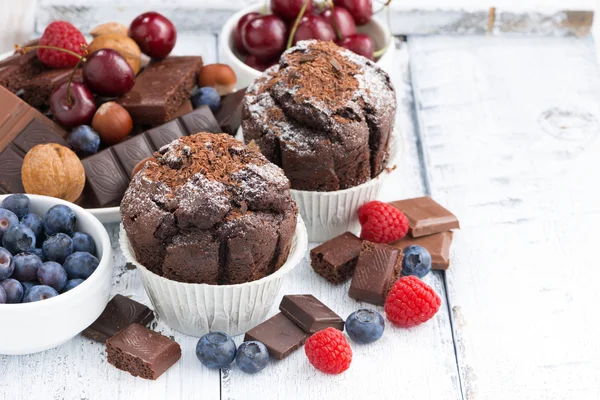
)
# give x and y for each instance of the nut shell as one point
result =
(218, 76)
(112, 122)
(109, 27)
(125, 45)
(53, 170)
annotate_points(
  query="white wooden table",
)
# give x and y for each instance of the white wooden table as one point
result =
(503, 131)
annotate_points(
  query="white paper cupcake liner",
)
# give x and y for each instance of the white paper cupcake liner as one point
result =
(196, 309)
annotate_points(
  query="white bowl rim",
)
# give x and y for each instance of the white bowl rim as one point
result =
(104, 260)
(292, 261)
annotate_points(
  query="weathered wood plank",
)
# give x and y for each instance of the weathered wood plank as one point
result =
(509, 129)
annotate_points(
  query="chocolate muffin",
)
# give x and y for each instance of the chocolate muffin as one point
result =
(208, 209)
(323, 114)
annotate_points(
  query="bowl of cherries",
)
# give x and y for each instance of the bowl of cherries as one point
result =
(254, 38)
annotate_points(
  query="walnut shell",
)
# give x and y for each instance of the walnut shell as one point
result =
(53, 170)
(125, 45)
(109, 27)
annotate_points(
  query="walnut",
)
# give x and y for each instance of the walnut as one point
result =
(109, 27)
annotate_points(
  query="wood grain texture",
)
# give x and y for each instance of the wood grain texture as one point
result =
(509, 128)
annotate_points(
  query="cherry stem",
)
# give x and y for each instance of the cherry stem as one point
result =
(334, 22)
(265, 7)
(69, 102)
(296, 23)
(380, 52)
(385, 5)
(39, 46)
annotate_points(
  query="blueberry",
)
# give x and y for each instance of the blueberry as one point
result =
(8, 219)
(7, 264)
(26, 267)
(52, 274)
(365, 326)
(417, 261)
(252, 357)
(39, 252)
(216, 350)
(36, 224)
(39, 292)
(206, 96)
(80, 265)
(18, 239)
(84, 140)
(14, 290)
(72, 284)
(58, 247)
(84, 242)
(27, 287)
(18, 204)
(59, 219)
(2, 295)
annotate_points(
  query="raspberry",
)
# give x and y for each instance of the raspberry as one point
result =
(64, 35)
(329, 351)
(411, 302)
(382, 222)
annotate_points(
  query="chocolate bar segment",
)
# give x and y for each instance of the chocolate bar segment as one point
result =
(335, 260)
(105, 179)
(280, 335)
(309, 313)
(426, 216)
(438, 246)
(378, 267)
(230, 113)
(119, 313)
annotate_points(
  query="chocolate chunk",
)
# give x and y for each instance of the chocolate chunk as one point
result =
(105, 179)
(132, 151)
(37, 90)
(142, 352)
(279, 334)
(437, 244)
(309, 313)
(119, 313)
(230, 113)
(425, 216)
(202, 120)
(165, 134)
(19, 68)
(378, 267)
(335, 260)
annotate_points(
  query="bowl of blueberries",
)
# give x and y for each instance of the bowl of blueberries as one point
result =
(55, 272)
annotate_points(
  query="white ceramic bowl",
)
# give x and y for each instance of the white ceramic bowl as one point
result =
(32, 327)
(246, 75)
(196, 309)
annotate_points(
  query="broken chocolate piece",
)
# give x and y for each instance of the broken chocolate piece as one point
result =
(279, 334)
(425, 216)
(230, 113)
(309, 313)
(438, 246)
(335, 260)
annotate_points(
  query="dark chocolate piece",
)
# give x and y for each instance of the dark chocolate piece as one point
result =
(437, 244)
(425, 216)
(378, 267)
(142, 352)
(230, 113)
(336, 259)
(309, 313)
(37, 90)
(279, 334)
(184, 108)
(19, 68)
(119, 313)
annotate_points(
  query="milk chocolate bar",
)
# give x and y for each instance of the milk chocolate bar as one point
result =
(437, 244)
(335, 260)
(426, 216)
(279, 334)
(309, 313)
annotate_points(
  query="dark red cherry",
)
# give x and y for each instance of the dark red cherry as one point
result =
(361, 10)
(237, 33)
(314, 27)
(256, 63)
(265, 36)
(289, 9)
(344, 23)
(79, 111)
(154, 33)
(360, 44)
(107, 73)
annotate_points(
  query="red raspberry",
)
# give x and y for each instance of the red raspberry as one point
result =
(64, 35)
(382, 222)
(411, 302)
(329, 351)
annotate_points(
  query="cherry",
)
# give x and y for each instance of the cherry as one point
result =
(72, 106)
(107, 73)
(360, 44)
(344, 23)
(361, 10)
(264, 37)
(314, 27)
(256, 63)
(154, 33)
(289, 9)
(237, 33)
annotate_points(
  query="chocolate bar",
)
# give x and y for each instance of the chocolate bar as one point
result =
(378, 267)
(425, 216)
(21, 128)
(230, 113)
(160, 89)
(309, 313)
(119, 313)
(437, 244)
(37, 89)
(142, 352)
(335, 260)
(108, 172)
(280, 335)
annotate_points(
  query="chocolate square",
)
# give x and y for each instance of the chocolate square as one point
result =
(306, 311)
(165, 134)
(230, 113)
(279, 334)
(425, 216)
(437, 244)
(106, 181)
(200, 120)
(132, 151)
(335, 260)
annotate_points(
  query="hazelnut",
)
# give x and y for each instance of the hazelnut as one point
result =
(53, 170)
(125, 45)
(109, 27)
(218, 76)
(138, 167)
(112, 122)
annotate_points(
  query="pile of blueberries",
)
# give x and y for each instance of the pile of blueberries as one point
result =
(41, 256)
